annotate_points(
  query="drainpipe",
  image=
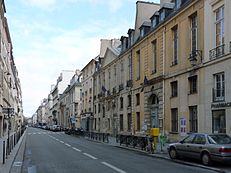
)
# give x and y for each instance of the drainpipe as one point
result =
(164, 81)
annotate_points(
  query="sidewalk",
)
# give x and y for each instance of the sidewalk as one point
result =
(5, 168)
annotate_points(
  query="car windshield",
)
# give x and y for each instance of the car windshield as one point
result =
(220, 139)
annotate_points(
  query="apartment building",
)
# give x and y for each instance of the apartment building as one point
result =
(217, 62)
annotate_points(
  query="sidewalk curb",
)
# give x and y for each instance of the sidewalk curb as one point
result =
(7, 166)
(21, 149)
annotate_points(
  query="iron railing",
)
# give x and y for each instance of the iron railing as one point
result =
(121, 87)
(129, 83)
(217, 52)
(97, 136)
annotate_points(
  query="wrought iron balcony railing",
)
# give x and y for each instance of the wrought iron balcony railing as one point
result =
(217, 52)
(129, 83)
(121, 87)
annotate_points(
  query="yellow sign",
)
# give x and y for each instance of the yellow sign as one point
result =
(155, 132)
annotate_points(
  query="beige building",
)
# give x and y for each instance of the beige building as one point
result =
(10, 87)
(217, 63)
(105, 86)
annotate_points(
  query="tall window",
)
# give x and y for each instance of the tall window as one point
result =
(194, 32)
(129, 68)
(154, 57)
(219, 26)
(137, 99)
(174, 88)
(174, 117)
(193, 119)
(175, 45)
(219, 88)
(122, 72)
(192, 84)
(219, 121)
(129, 100)
(138, 121)
(121, 103)
(121, 122)
(129, 121)
(138, 65)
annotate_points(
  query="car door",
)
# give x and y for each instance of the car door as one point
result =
(183, 146)
(197, 146)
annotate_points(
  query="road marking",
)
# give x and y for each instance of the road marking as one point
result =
(61, 142)
(76, 149)
(32, 169)
(67, 145)
(113, 167)
(88, 155)
(34, 133)
(39, 133)
(17, 164)
(29, 133)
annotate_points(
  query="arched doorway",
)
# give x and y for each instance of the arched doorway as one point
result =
(154, 106)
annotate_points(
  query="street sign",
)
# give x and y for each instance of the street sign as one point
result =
(7, 110)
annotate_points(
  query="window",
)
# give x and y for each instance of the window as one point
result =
(121, 122)
(154, 58)
(194, 32)
(138, 65)
(189, 139)
(129, 68)
(175, 45)
(219, 87)
(95, 123)
(137, 99)
(95, 109)
(122, 72)
(199, 139)
(129, 100)
(219, 122)
(193, 119)
(103, 111)
(108, 105)
(174, 116)
(115, 71)
(98, 108)
(177, 3)
(192, 84)
(121, 103)
(109, 124)
(138, 121)
(219, 26)
(174, 88)
(129, 121)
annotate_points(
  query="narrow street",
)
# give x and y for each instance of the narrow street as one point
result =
(56, 152)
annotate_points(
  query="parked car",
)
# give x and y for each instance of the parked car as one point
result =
(206, 147)
(76, 131)
(55, 128)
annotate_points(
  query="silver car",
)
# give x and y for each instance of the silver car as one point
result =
(206, 147)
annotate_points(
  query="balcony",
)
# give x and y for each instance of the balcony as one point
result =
(121, 87)
(217, 52)
(218, 95)
(129, 83)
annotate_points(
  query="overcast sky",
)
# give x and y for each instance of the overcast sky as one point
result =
(53, 35)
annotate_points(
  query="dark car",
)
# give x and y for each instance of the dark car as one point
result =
(206, 147)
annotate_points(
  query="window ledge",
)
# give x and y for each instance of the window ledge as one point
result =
(174, 132)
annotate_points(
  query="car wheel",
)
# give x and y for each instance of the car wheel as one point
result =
(172, 153)
(206, 159)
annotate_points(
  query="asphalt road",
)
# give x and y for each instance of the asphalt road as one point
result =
(49, 152)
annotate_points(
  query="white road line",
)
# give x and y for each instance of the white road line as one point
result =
(113, 167)
(76, 149)
(29, 133)
(67, 145)
(39, 133)
(34, 133)
(88, 155)
(61, 142)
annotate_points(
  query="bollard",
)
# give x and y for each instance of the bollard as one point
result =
(4, 145)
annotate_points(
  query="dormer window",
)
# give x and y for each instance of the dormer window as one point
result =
(144, 29)
(155, 19)
(166, 10)
(177, 4)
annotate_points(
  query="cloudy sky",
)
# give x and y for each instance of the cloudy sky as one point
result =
(53, 35)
